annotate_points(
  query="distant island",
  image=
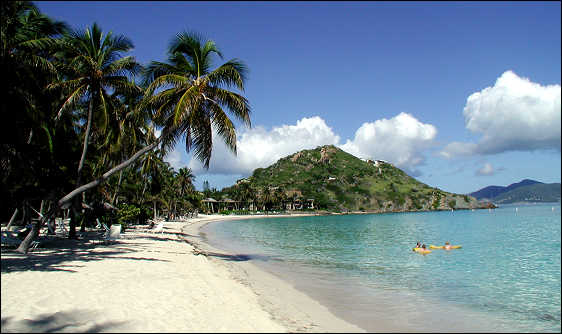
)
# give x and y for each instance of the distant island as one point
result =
(529, 191)
(327, 178)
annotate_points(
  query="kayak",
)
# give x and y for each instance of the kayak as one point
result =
(421, 250)
(443, 247)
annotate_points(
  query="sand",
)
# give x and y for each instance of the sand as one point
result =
(145, 282)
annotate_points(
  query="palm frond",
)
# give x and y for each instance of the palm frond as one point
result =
(186, 103)
(72, 100)
(233, 72)
(123, 66)
(224, 127)
(236, 104)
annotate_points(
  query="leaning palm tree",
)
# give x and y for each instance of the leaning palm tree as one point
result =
(191, 102)
(91, 64)
(192, 98)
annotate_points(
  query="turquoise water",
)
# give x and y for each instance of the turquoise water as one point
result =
(505, 278)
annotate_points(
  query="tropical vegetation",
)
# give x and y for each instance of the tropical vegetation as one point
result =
(327, 178)
(88, 127)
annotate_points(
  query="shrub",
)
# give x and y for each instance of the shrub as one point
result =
(127, 215)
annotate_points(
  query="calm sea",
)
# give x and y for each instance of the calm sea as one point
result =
(505, 278)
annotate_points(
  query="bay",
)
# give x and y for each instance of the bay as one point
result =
(505, 278)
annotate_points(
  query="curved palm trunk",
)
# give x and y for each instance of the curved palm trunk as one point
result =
(65, 201)
(118, 187)
(86, 137)
(72, 227)
(12, 219)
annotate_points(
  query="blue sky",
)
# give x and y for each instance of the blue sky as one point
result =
(460, 95)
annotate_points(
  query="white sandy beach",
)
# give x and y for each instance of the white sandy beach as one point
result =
(152, 283)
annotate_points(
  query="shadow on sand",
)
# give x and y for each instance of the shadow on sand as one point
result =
(75, 321)
(55, 251)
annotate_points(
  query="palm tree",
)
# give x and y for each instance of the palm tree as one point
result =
(185, 180)
(128, 130)
(26, 39)
(27, 154)
(192, 99)
(91, 63)
(191, 103)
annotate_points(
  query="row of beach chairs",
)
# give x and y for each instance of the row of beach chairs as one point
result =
(110, 234)
(9, 240)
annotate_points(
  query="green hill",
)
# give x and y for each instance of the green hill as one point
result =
(338, 181)
(540, 192)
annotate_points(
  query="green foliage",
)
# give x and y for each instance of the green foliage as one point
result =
(436, 201)
(127, 215)
(452, 204)
(336, 179)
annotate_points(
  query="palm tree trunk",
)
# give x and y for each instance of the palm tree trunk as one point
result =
(144, 189)
(12, 219)
(64, 202)
(118, 186)
(86, 137)
(72, 227)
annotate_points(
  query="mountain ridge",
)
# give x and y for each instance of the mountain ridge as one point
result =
(526, 190)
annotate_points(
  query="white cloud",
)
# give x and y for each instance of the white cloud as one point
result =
(399, 140)
(258, 147)
(175, 157)
(486, 170)
(513, 115)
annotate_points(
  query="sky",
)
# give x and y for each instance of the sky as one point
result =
(460, 95)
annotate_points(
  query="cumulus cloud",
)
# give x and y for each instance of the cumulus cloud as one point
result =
(175, 157)
(513, 115)
(486, 170)
(399, 140)
(258, 147)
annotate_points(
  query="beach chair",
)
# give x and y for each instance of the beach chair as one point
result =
(112, 233)
(10, 241)
(61, 226)
(106, 229)
(158, 228)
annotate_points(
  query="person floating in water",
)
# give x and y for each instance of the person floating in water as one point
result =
(418, 245)
(447, 245)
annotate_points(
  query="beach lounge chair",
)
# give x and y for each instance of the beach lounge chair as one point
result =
(112, 233)
(158, 228)
(9, 240)
(60, 226)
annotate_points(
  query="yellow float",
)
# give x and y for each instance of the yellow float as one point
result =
(443, 247)
(421, 250)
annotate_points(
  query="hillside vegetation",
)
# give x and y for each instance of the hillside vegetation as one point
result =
(339, 181)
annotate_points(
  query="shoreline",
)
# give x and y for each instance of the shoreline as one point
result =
(153, 283)
(297, 311)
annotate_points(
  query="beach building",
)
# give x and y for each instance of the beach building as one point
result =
(210, 204)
